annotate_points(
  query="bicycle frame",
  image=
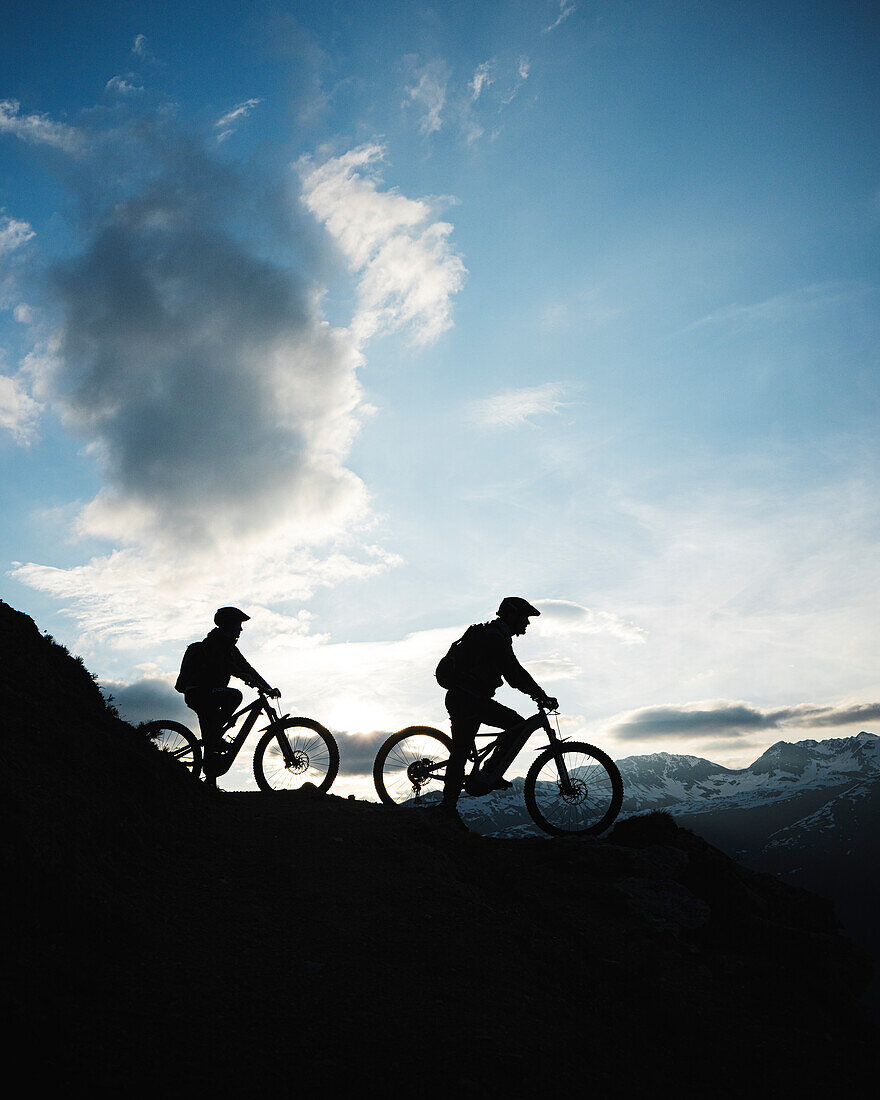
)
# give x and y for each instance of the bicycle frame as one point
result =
(518, 735)
(253, 710)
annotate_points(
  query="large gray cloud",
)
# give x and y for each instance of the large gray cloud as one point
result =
(200, 371)
(736, 719)
(148, 699)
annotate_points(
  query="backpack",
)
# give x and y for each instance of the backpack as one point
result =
(452, 665)
(190, 667)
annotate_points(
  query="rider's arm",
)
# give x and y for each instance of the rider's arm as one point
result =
(514, 673)
(248, 673)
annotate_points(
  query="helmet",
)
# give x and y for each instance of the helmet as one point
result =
(229, 616)
(516, 605)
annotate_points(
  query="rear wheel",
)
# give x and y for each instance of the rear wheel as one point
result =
(296, 751)
(181, 743)
(573, 789)
(411, 765)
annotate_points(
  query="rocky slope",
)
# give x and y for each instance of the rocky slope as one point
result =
(229, 946)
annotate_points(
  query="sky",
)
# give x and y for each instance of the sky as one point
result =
(361, 316)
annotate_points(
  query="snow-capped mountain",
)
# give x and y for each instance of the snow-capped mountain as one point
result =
(691, 786)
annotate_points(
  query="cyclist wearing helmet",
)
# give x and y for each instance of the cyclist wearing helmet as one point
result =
(204, 682)
(472, 672)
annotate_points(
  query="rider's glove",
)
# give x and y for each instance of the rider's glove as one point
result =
(547, 702)
(274, 693)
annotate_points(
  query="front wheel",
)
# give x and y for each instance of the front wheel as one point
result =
(573, 789)
(411, 765)
(293, 752)
(176, 739)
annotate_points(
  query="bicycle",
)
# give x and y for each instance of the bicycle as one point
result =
(571, 789)
(291, 752)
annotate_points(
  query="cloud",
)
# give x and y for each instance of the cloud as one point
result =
(428, 93)
(407, 270)
(566, 8)
(19, 413)
(147, 699)
(216, 402)
(240, 111)
(39, 129)
(514, 407)
(122, 85)
(180, 345)
(782, 308)
(13, 234)
(523, 66)
(585, 308)
(563, 617)
(357, 751)
(140, 45)
(484, 75)
(135, 596)
(735, 719)
(491, 88)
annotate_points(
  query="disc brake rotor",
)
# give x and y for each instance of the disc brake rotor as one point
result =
(299, 762)
(577, 792)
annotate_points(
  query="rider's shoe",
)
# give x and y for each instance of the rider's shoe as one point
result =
(476, 785)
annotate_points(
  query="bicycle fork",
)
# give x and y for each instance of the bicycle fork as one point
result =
(565, 785)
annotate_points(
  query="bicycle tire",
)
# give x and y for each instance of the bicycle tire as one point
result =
(594, 800)
(396, 768)
(311, 755)
(176, 739)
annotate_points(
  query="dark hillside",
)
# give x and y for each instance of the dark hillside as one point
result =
(164, 941)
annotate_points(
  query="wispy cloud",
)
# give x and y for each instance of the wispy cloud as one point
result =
(782, 307)
(106, 594)
(565, 618)
(226, 124)
(19, 412)
(523, 68)
(587, 307)
(407, 271)
(123, 85)
(735, 719)
(484, 76)
(39, 129)
(427, 93)
(516, 407)
(140, 45)
(13, 233)
(566, 8)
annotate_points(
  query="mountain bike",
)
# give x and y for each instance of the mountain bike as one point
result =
(291, 752)
(571, 788)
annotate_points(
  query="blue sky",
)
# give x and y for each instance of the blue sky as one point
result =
(362, 316)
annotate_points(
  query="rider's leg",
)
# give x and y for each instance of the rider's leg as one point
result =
(463, 725)
(227, 700)
(206, 705)
(510, 742)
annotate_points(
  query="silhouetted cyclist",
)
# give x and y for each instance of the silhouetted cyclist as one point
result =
(204, 677)
(472, 671)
